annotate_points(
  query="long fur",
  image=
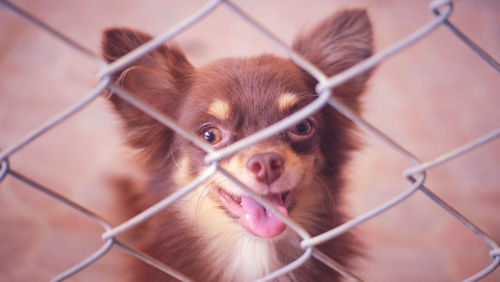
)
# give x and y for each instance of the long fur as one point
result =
(197, 235)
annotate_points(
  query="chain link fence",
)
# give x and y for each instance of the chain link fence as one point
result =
(415, 174)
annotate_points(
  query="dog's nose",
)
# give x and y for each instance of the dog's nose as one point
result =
(266, 167)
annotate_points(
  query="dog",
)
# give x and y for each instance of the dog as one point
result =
(218, 232)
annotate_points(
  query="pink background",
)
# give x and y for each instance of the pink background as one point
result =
(431, 98)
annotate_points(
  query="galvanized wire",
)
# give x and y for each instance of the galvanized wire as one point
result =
(97, 254)
(159, 206)
(362, 218)
(159, 116)
(434, 7)
(289, 222)
(62, 116)
(154, 43)
(152, 261)
(67, 40)
(442, 9)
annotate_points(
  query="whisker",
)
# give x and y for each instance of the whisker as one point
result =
(202, 197)
(172, 156)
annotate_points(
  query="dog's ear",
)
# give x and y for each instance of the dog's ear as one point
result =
(159, 78)
(339, 42)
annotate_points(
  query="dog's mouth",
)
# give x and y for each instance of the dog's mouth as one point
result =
(254, 217)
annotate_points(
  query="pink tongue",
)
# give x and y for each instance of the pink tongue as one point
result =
(260, 221)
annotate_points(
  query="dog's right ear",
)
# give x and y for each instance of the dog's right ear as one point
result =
(160, 78)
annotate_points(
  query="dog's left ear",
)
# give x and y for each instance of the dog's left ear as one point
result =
(339, 42)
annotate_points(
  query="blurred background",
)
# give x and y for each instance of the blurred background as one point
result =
(431, 98)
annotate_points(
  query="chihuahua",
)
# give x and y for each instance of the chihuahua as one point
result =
(217, 232)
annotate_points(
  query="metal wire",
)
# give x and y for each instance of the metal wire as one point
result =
(67, 40)
(159, 116)
(4, 168)
(442, 9)
(159, 206)
(434, 7)
(360, 219)
(152, 261)
(478, 142)
(482, 235)
(154, 43)
(289, 222)
(97, 254)
(334, 265)
(55, 120)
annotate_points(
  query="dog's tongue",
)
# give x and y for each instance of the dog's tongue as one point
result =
(261, 221)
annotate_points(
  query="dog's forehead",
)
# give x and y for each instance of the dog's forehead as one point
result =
(224, 108)
(262, 88)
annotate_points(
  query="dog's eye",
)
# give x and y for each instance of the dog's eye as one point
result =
(303, 128)
(212, 135)
(302, 131)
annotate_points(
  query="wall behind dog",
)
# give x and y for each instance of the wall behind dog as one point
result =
(431, 98)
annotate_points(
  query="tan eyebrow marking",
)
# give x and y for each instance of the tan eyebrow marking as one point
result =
(219, 109)
(286, 101)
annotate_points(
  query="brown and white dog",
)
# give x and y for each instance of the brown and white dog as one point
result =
(217, 232)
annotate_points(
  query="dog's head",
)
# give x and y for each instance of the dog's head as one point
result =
(231, 99)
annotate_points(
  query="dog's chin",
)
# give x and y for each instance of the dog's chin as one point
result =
(255, 218)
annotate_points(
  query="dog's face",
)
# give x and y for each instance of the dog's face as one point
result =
(231, 99)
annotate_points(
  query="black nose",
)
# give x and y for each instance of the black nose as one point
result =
(266, 167)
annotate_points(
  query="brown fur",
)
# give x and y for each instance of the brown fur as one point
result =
(251, 87)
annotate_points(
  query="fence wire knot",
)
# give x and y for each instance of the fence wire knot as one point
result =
(4, 168)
